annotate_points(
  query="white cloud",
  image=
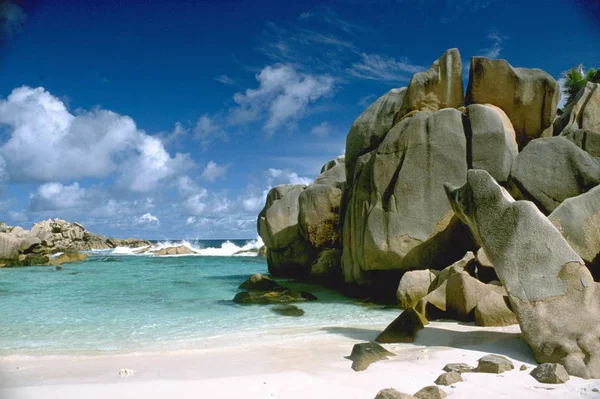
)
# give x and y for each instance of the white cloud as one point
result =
(47, 144)
(208, 130)
(55, 196)
(377, 67)
(17, 216)
(225, 79)
(321, 130)
(283, 95)
(147, 218)
(12, 17)
(285, 176)
(306, 15)
(496, 47)
(213, 171)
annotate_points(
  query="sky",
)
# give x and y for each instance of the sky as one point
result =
(173, 119)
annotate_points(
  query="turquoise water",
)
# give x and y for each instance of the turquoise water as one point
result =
(127, 303)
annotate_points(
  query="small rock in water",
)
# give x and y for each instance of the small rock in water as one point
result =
(458, 367)
(494, 364)
(365, 353)
(550, 373)
(448, 378)
(57, 268)
(288, 310)
(391, 393)
(431, 392)
(260, 282)
(126, 373)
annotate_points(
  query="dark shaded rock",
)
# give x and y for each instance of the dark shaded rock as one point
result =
(449, 378)
(288, 310)
(364, 354)
(550, 373)
(260, 282)
(494, 364)
(493, 311)
(404, 328)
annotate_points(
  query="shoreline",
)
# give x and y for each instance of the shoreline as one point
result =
(309, 363)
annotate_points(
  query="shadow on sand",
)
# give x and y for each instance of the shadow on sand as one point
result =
(498, 342)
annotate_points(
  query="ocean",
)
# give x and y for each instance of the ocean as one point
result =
(117, 301)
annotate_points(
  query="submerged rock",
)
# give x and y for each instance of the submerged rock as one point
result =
(260, 282)
(272, 297)
(288, 310)
(364, 354)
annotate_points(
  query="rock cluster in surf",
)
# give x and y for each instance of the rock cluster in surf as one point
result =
(20, 247)
(514, 236)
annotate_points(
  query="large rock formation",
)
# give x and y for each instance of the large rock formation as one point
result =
(551, 291)
(289, 254)
(582, 113)
(578, 220)
(397, 200)
(493, 141)
(550, 170)
(528, 96)
(438, 87)
(371, 126)
(20, 247)
(586, 140)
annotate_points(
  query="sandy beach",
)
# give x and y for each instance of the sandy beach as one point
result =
(303, 363)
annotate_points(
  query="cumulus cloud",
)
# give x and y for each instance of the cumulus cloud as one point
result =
(208, 130)
(283, 94)
(213, 171)
(147, 218)
(378, 67)
(285, 176)
(55, 196)
(47, 143)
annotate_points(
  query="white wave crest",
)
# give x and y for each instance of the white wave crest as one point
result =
(227, 248)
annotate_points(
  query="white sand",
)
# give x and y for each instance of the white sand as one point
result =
(305, 363)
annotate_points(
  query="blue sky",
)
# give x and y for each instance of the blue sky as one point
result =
(173, 119)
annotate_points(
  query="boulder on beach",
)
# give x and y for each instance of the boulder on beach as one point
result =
(550, 373)
(404, 328)
(529, 97)
(413, 286)
(391, 393)
(464, 292)
(9, 246)
(552, 293)
(494, 364)
(365, 353)
(493, 311)
(458, 367)
(448, 378)
(431, 392)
